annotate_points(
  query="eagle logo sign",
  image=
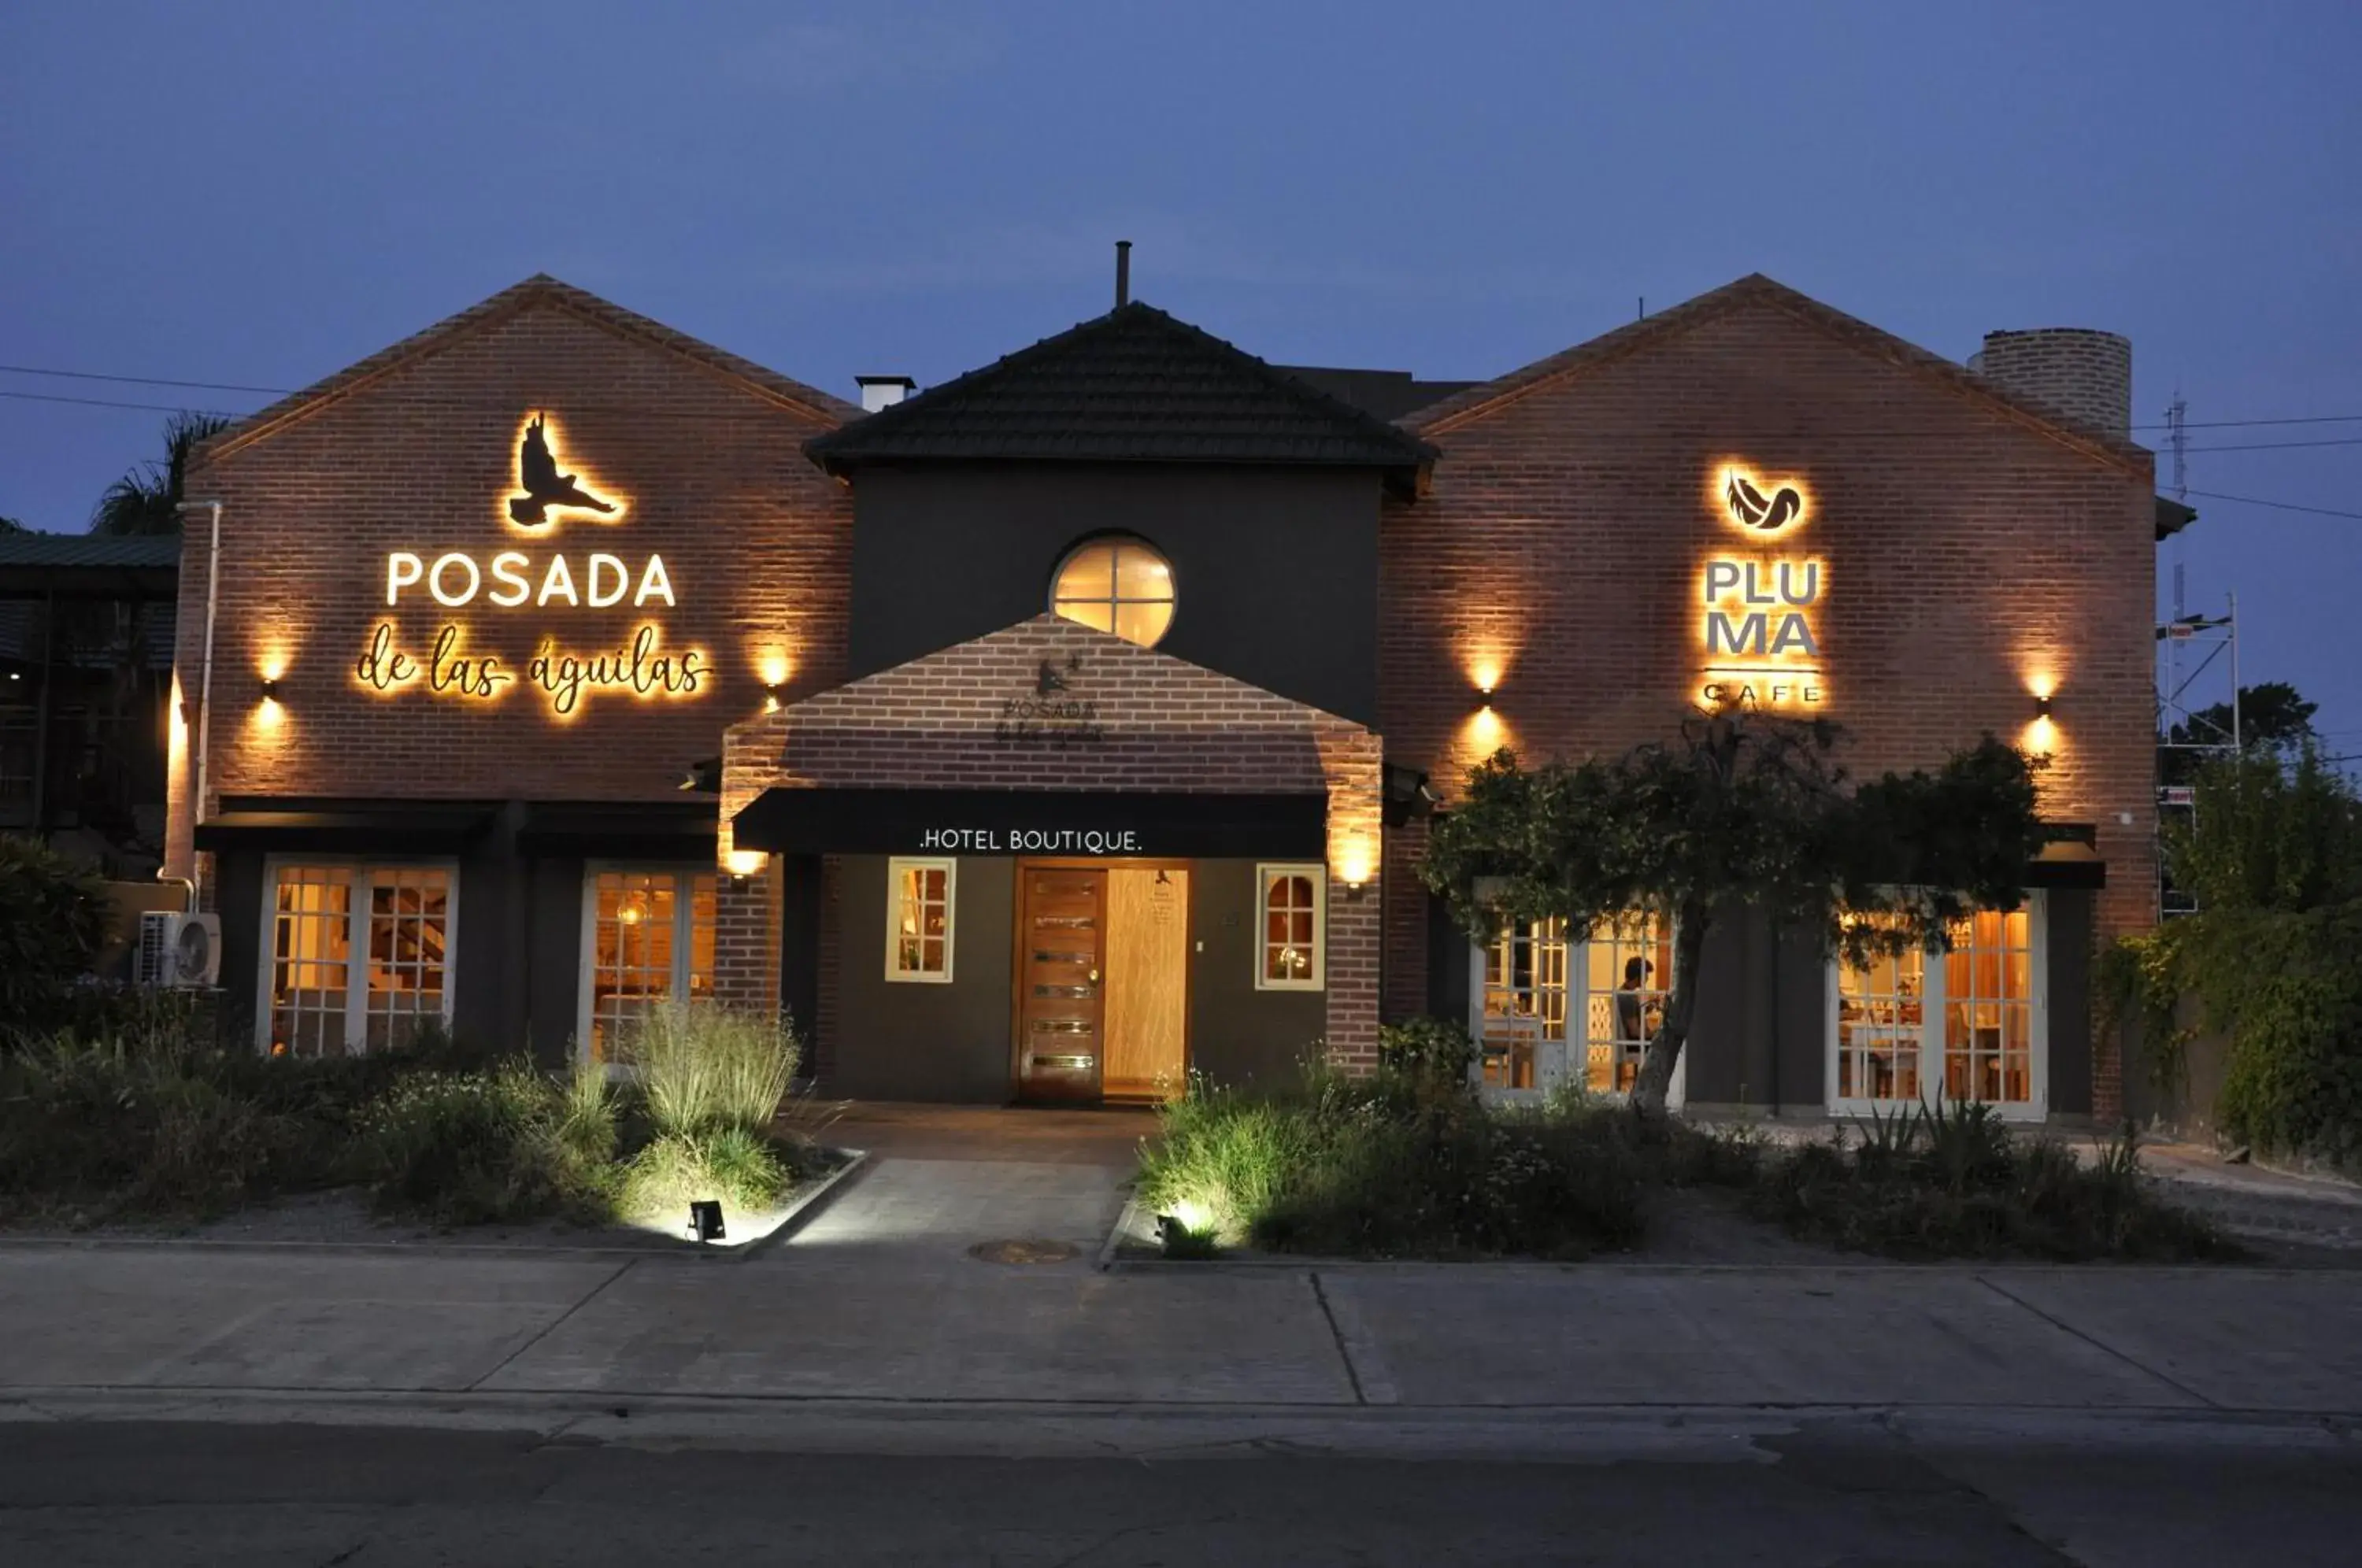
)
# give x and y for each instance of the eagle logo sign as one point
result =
(545, 487)
(1752, 509)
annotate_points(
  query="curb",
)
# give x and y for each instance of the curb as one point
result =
(800, 1211)
(806, 1208)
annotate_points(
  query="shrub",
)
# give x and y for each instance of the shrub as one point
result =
(1394, 1166)
(53, 917)
(142, 1122)
(1439, 1050)
(1954, 1183)
(703, 1068)
(743, 1169)
(502, 1145)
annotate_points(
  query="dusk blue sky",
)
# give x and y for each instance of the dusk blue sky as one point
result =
(266, 193)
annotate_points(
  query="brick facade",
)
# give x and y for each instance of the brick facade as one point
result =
(415, 450)
(1169, 727)
(1973, 550)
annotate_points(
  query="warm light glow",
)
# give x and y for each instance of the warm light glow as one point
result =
(1487, 677)
(2041, 738)
(1353, 862)
(1742, 496)
(2043, 683)
(745, 862)
(1485, 731)
(774, 667)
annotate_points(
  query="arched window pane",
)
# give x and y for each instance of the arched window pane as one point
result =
(1118, 585)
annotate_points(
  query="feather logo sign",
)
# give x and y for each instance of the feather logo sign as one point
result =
(1760, 615)
(1743, 493)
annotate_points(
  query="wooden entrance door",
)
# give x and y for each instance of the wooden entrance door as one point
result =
(1061, 991)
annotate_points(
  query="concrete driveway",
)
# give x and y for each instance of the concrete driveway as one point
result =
(943, 1179)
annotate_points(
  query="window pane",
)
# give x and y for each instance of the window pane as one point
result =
(1141, 574)
(1881, 1025)
(920, 919)
(311, 960)
(1089, 573)
(636, 935)
(1118, 585)
(1143, 623)
(408, 922)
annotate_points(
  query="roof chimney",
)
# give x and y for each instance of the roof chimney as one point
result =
(1122, 273)
(2072, 370)
(884, 392)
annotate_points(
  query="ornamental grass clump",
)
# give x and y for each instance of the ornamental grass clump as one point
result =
(703, 1068)
(711, 1081)
(1954, 1182)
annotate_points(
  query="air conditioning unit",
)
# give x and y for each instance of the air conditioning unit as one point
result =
(177, 950)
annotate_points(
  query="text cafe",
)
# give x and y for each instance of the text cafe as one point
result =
(1076, 724)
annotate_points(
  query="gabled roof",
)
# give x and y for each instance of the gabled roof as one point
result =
(538, 289)
(1132, 386)
(1756, 290)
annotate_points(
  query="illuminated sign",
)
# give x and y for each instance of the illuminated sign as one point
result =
(546, 489)
(638, 664)
(1759, 614)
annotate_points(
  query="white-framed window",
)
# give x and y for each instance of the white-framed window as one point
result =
(357, 954)
(1117, 584)
(918, 904)
(1530, 986)
(1291, 927)
(1969, 1024)
(647, 937)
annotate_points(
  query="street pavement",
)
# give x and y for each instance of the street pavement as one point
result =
(872, 1389)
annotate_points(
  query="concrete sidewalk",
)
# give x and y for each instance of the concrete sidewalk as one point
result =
(899, 1327)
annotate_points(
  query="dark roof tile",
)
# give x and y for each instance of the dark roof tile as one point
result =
(1132, 386)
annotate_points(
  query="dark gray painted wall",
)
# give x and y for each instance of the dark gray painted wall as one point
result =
(552, 950)
(238, 899)
(1275, 571)
(2069, 947)
(902, 1041)
(1236, 1033)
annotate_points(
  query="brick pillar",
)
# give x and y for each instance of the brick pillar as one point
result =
(1350, 760)
(746, 941)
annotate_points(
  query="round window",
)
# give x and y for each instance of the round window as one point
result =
(1118, 585)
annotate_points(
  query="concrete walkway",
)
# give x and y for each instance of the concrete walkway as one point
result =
(941, 1179)
(906, 1326)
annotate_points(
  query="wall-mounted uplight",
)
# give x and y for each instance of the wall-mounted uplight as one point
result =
(270, 689)
(773, 695)
(744, 862)
(2042, 706)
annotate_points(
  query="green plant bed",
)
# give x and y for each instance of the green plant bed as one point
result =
(153, 1122)
(1955, 1183)
(1400, 1165)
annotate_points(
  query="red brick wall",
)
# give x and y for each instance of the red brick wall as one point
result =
(419, 456)
(1966, 553)
(1170, 725)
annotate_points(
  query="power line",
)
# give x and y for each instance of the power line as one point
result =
(2277, 505)
(111, 402)
(142, 381)
(2277, 446)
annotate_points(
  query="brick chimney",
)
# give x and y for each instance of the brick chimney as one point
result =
(2073, 370)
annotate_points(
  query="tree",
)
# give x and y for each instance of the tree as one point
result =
(1739, 810)
(2271, 715)
(146, 499)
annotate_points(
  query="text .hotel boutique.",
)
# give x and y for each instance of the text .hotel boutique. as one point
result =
(1075, 724)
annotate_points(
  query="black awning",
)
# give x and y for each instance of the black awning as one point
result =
(2067, 864)
(669, 830)
(392, 830)
(1035, 821)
